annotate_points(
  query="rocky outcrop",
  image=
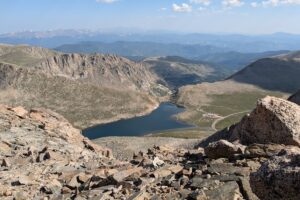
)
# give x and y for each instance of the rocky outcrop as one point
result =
(273, 121)
(101, 70)
(40, 153)
(98, 69)
(279, 178)
(87, 89)
(271, 134)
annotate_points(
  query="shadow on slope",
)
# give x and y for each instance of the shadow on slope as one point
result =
(271, 74)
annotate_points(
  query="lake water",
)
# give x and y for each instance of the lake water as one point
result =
(161, 119)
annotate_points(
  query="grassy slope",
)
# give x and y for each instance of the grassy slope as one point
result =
(222, 105)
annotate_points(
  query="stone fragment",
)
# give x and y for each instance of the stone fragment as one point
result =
(200, 183)
(246, 189)
(120, 176)
(161, 173)
(157, 162)
(221, 149)
(142, 195)
(20, 111)
(229, 190)
(5, 163)
(263, 150)
(227, 168)
(73, 183)
(198, 195)
(24, 180)
(54, 187)
(175, 169)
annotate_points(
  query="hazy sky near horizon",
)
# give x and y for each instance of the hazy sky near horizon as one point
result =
(209, 16)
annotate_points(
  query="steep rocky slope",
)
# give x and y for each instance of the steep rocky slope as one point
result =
(279, 73)
(42, 156)
(87, 89)
(101, 70)
(177, 71)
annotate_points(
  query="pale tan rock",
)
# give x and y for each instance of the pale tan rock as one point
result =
(157, 162)
(175, 169)
(54, 187)
(160, 173)
(120, 176)
(20, 111)
(26, 180)
(274, 120)
(73, 183)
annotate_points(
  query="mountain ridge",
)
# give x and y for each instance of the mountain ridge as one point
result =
(53, 80)
(229, 100)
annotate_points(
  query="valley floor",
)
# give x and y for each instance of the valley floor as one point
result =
(218, 112)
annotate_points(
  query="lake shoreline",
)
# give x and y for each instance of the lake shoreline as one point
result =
(163, 118)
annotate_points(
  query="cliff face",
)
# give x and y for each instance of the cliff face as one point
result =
(101, 70)
(97, 69)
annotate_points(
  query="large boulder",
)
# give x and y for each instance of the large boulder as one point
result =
(222, 149)
(278, 178)
(274, 120)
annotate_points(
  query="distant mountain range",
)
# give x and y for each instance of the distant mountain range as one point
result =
(142, 49)
(231, 42)
(223, 58)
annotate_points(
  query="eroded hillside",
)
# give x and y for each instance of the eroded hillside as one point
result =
(177, 71)
(86, 89)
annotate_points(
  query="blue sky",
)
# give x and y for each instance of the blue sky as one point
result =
(209, 16)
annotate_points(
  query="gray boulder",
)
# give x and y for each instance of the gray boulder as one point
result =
(278, 178)
(274, 120)
(222, 149)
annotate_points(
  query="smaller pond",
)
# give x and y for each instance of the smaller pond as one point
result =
(161, 119)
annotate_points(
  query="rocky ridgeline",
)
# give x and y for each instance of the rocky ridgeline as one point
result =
(42, 156)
